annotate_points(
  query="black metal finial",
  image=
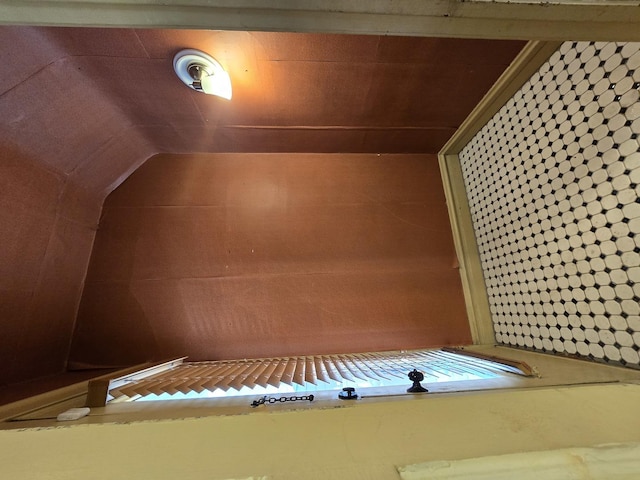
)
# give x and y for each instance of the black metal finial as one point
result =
(416, 377)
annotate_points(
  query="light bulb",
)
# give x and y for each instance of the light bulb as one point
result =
(218, 84)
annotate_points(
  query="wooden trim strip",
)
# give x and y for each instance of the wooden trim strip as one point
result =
(342, 368)
(298, 374)
(472, 277)
(58, 396)
(287, 375)
(528, 61)
(444, 18)
(353, 367)
(252, 380)
(464, 239)
(146, 373)
(331, 368)
(321, 370)
(310, 370)
(275, 379)
(265, 376)
(246, 379)
(523, 367)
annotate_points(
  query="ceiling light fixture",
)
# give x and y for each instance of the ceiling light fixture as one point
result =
(202, 72)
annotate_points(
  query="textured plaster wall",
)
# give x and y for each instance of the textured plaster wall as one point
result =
(553, 182)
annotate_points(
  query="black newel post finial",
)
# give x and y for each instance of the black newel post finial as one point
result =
(416, 377)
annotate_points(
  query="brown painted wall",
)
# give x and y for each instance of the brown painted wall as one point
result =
(247, 255)
(63, 147)
(47, 229)
(75, 122)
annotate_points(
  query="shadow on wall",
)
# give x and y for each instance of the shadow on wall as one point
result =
(127, 338)
(122, 333)
(48, 226)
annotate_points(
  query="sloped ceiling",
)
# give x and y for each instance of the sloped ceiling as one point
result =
(93, 104)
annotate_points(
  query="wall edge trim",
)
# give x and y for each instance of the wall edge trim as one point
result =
(60, 395)
(528, 61)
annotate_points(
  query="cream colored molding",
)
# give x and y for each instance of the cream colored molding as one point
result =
(517, 367)
(475, 293)
(66, 397)
(473, 286)
(541, 20)
(98, 388)
(603, 462)
(528, 61)
(554, 371)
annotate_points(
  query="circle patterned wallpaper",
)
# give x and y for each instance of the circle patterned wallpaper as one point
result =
(553, 183)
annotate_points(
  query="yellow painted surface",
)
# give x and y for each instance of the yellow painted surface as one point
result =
(605, 462)
(366, 440)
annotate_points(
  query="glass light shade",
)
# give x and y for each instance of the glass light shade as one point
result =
(218, 84)
(202, 72)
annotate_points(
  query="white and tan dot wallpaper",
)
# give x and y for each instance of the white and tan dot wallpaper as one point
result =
(553, 182)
